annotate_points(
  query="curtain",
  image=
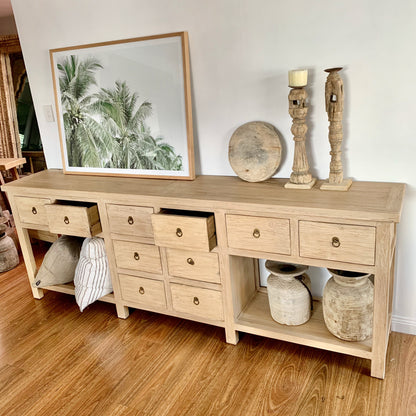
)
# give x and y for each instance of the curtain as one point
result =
(9, 131)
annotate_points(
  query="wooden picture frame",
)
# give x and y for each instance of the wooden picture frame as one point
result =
(124, 107)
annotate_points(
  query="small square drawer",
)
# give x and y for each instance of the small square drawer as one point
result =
(142, 291)
(137, 256)
(197, 301)
(184, 229)
(271, 235)
(130, 220)
(74, 218)
(338, 242)
(32, 210)
(193, 265)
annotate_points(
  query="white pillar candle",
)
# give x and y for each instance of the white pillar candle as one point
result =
(298, 78)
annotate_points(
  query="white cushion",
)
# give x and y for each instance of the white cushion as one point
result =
(59, 263)
(92, 276)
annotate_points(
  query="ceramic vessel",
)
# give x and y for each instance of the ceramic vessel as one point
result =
(348, 305)
(8, 252)
(288, 289)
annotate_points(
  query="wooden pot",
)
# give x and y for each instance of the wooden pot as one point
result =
(348, 305)
(8, 252)
(288, 289)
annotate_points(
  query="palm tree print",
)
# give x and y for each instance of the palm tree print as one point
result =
(108, 128)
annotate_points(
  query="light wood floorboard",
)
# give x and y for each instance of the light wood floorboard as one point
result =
(55, 360)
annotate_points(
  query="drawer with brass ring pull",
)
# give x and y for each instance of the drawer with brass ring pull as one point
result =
(270, 235)
(130, 220)
(73, 218)
(194, 265)
(137, 256)
(192, 230)
(338, 242)
(32, 210)
(206, 303)
(142, 291)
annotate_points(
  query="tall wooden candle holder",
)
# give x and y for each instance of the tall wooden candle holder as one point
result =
(300, 177)
(334, 103)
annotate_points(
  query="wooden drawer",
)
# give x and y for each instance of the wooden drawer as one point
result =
(130, 220)
(137, 256)
(194, 265)
(184, 229)
(74, 218)
(32, 210)
(338, 242)
(271, 235)
(142, 291)
(205, 303)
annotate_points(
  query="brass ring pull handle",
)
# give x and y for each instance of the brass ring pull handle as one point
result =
(34, 211)
(335, 242)
(130, 220)
(179, 232)
(256, 233)
(136, 256)
(66, 220)
(196, 301)
(141, 290)
(190, 261)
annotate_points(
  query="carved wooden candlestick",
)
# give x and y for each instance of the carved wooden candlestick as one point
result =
(334, 103)
(300, 177)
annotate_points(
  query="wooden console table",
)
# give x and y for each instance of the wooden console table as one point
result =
(190, 249)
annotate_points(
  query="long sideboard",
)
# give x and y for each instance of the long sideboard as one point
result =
(190, 249)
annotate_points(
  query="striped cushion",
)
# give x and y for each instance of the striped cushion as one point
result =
(92, 276)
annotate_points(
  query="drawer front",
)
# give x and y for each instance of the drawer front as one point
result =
(193, 265)
(82, 221)
(143, 291)
(187, 232)
(338, 242)
(205, 303)
(32, 210)
(271, 235)
(137, 256)
(130, 220)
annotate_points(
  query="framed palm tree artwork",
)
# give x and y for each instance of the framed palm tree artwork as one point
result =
(124, 107)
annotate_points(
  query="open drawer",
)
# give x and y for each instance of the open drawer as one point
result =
(73, 218)
(190, 230)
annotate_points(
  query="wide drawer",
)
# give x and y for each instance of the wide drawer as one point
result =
(193, 265)
(137, 256)
(143, 291)
(73, 218)
(205, 303)
(184, 229)
(32, 210)
(271, 235)
(130, 220)
(338, 242)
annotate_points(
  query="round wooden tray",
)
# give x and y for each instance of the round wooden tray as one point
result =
(255, 151)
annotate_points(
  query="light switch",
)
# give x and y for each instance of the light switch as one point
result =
(48, 112)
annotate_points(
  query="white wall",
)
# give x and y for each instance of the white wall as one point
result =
(241, 51)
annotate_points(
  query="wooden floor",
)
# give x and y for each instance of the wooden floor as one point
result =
(55, 360)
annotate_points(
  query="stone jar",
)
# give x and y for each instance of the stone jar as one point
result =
(288, 289)
(8, 252)
(348, 305)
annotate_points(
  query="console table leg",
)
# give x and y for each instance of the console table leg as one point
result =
(26, 247)
(122, 311)
(231, 336)
(383, 283)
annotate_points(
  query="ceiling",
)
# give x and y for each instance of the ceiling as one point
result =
(6, 8)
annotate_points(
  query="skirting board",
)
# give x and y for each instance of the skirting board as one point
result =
(402, 324)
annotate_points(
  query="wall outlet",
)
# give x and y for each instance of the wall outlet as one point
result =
(48, 112)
